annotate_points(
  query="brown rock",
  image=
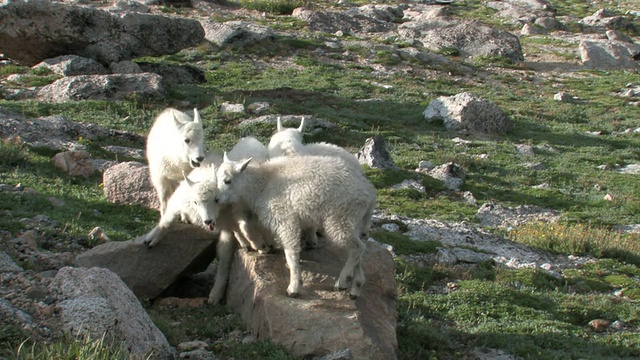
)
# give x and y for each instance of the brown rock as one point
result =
(74, 162)
(599, 325)
(130, 183)
(321, 321)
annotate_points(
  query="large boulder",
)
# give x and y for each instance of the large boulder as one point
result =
(468, 38)
(348, 23)
(144, 86)
(185, 249)
(33, 31)
(608, 54)
(130, 183)
(321, 321)
(465, 111)
(96, 302)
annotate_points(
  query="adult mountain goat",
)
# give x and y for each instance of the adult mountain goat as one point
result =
(290, 194)
(174, 146)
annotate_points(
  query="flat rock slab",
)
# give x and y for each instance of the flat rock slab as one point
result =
(320, 321)
(148, 272)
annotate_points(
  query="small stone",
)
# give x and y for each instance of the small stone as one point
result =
(425, 165)
(231, 108)
(617, 325)
(36, 292)
(391, 227)
(249, 339)
(597, 187)
(608, 197)
(599, 325)
(563, 97)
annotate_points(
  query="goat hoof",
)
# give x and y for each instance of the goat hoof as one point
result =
(293, 294)
(353, 297)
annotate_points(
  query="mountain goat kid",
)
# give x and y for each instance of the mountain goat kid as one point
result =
(290, 194)
(195, 200)
(174, 146)
(288, 142)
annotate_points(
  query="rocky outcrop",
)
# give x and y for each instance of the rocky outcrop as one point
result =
(321, 321)
(33, 31)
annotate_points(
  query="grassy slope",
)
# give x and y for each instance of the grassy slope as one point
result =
(523, 312)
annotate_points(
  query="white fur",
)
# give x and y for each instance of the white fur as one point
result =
(290, 194)
(195, 201)
(174, 146)
(288, 142)
(249, 147)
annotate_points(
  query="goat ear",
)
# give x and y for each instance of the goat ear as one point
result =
(225, 158)
(243, 165)
(301, 128)
(196, 116)
(175, 118)
(279, 125)
(189, 182)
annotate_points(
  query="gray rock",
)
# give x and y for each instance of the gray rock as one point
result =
(57, 133)
(563, 97)
(125, 151)
(451, 174)
(347, 23)
(125, 67)
(129, 6)
(615, 35)
(145, 86)
(464, 111)
(549, 23)
(97, 302)
(606, 19)
(386, 13)
(70, 65)
(531, 29)
(338, 355)
(522, 10)
(130, 183)
(235, 33)
(468, 38)
(410, 184)
(525, 149)
(38, 30)
(7, 264)
(148, 272)
(607, 54)
(374, 153)
(321, 321)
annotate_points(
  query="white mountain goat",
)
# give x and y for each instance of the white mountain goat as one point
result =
(194, 199)
(290, 194)
(288, 142)
(174, 146)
